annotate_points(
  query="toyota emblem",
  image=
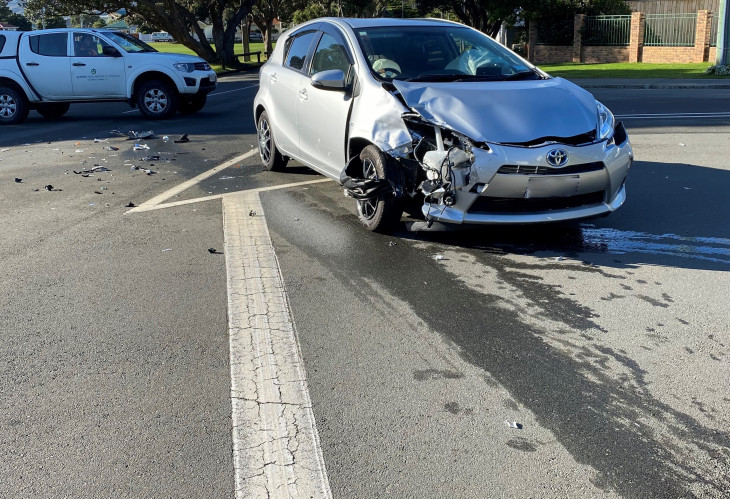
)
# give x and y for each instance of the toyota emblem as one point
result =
(557, 157)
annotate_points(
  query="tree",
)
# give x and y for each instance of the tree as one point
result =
(177, 17)
(10, 17)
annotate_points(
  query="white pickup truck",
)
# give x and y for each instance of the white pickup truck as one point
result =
(47, 70)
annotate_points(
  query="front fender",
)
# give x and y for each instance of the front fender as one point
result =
(153, 68)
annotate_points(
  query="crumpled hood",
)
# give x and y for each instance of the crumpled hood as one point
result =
(504, 111)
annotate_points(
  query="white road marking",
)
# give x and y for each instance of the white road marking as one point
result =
(147, 207)
(276, 449)
(671, 116)
(189, 183)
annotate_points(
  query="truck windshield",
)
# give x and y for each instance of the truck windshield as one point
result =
(128, 43)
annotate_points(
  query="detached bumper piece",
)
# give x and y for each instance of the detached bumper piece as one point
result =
(367, 189)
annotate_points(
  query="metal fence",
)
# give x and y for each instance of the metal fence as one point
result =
(713, 30)
(670, 30)
(606, 30)
(555, 32)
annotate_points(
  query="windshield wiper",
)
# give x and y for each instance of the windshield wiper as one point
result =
(435, 77)
(522, 75)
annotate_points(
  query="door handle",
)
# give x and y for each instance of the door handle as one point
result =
(32, 64)
(303, 94)
(79, 64)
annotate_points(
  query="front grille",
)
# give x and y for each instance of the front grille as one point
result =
(547, 170)
(201, 66)
(486, 204)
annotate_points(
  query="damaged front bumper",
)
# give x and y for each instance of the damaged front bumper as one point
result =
(507, 184)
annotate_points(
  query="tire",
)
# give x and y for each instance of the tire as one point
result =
(193, 106)
(54, 110)
(13, 106)
(270, 156)
(383, 213)
(156, 100)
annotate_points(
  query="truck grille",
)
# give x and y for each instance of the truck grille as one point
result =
(202, 66)
(547, 170)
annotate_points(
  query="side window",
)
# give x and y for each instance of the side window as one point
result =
(51, 44)
(297, 53)
(86, 45)
(330, 54)
(2, 43)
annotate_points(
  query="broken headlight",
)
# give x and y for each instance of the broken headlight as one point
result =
(606, 121)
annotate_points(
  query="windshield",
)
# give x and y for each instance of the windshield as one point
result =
(439, 53)
(128, 42)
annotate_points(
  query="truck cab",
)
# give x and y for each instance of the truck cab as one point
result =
(47, 70)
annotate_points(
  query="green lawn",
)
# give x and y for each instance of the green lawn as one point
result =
(628, 70)
(178, 48)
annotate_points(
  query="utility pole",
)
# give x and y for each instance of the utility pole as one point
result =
(723, 34)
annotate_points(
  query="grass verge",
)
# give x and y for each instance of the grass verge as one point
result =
(628, 70)
(178, 48)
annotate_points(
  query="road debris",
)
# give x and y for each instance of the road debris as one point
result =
(438, 258)
(95, 169)
(129, 205)
(154, 157)
(50, 188)
(133, 135)
(141, 147)
(111, 148)
(392, 243)
(214, 251)
(167, 249)
(251, 213)
(513, 424)
(18, 180)
(182, 139)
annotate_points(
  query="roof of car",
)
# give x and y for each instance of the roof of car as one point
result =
(388, 21)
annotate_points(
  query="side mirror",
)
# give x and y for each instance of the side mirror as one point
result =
(110, 51)
(332, 79)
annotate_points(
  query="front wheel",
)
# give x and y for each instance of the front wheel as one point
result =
(382, 213)
(193, 106)
(271, 158)
(54, 110)
(13, 106)
(156, 100)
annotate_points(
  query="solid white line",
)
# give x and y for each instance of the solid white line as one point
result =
(162, 206)
(229, 91)
(276, 449)
(189, 183)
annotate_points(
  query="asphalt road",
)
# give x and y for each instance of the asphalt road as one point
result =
(607, 342)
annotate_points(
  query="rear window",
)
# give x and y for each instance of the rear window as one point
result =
(298, 48)
(2, 43)
(51, 44)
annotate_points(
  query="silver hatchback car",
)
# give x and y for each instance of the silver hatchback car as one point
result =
(434, 113)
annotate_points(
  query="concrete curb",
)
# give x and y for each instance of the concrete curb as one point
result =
(652, 84)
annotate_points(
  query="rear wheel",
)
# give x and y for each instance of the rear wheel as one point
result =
(271, 158)
(156, 100)
(382, 213)
(54, 110)
(193, 106)
(13, 106)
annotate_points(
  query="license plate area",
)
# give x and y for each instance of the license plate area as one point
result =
(552, 187)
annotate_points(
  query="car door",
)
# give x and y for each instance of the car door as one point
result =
(322, 114)
(94, 74)
(45, 62)
(284, 84)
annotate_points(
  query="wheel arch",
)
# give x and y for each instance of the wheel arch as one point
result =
(149, 76)
(9, 82)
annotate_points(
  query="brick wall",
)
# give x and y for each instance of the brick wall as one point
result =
(552, 54)
(604, 54)
(634, 52)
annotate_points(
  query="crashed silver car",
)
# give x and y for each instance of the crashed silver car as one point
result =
(433, 113)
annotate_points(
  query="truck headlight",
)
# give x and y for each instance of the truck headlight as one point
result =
(185, 67)
(606, 121)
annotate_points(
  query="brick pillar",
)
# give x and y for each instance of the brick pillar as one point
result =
(636, 43)
(578, 23)
(531, 41)
(702, 36)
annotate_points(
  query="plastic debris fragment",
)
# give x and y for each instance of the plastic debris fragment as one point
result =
(129, 205)
(182, 139)
(392, 243)
(18, 180)
(438, 257)
(111, 148)
(251, 213)
(141, 147)
(214, 251)
(513, 424)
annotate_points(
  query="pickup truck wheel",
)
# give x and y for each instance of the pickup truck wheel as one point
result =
(272, 159)
(382, 213)
(13, 106)
(193, 106)
(156, 100)
(53, 111)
